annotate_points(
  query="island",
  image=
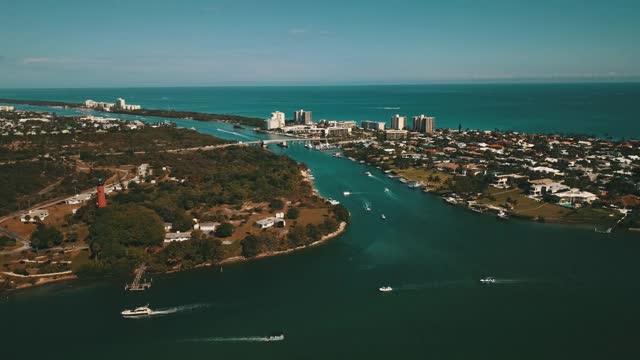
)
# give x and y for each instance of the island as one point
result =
(94, 197)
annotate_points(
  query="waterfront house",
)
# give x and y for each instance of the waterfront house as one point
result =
(546, 186)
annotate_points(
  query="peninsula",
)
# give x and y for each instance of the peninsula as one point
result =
(171, 198)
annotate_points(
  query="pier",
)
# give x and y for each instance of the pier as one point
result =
(138, 284)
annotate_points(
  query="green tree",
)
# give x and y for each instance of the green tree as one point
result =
(250, 246)
(46, 237)
(224, 230)
(293, 213)
(276, 204)
(341, 213)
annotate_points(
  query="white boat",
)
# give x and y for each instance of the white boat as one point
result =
(488, 280)
(503, 215)
(385, 289)
(308, 146)
(137, 312)
(333, 202)
(386, 190)
(278, 337)
(346, 193)
(367, 207)
(369, 174)
(451, 200)
(383, 217)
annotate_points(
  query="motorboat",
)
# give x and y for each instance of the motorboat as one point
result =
(333, 202)
(503, 215)
(383, 217)
(451, 200)
(308, 146)
(488, 280)
(386, 190)
(369, 174)
(385, 289)
(346, 193)
(137, 312)
(275, 337)
(283, 144)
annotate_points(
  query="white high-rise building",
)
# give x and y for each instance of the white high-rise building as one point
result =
(372, 125)
(120, 103)
(425, 124)
(276, 121)
(398, 122)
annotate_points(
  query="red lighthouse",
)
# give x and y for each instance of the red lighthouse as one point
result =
(102, 200)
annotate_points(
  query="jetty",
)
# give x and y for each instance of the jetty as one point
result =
(138, 284)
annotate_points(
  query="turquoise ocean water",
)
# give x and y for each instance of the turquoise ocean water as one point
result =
(562, 291)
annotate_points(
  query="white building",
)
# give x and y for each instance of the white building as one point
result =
(575, 197)
(177, 236)
(207, 227)
(398, 122)
(78, 199)
(122, 105)
(373, 125)
(34, 215)
(6, 108)
(271, 221)
(546, 186)
(277, 121)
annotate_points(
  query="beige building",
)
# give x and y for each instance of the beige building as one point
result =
(398, 122)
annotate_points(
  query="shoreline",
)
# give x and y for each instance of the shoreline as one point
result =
(239, 259)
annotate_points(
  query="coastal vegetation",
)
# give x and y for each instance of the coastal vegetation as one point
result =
(162, 182)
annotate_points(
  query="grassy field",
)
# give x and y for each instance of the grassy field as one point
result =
(529, 208)
(422, 175)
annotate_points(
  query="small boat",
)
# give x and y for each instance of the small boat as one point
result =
(386, 190)
(346, 193)
(368, 174)
(367, 207)
(476, 209)
(275, 337)
(503, 215)
(283, 144)
(383, 217)
(451, 200)
(333, 202)
(488, 280)
(192, 128)
(236, 126)
(308, 146)
(337, 155)
(137, 312)
(385, 289)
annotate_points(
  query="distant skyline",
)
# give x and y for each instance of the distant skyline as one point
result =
(141, 43)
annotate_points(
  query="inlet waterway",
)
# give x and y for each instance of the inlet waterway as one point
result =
(561, 292)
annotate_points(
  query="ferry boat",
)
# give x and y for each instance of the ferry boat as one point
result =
(275, 337)
(385, 289)
(488, 280)
(137, 312)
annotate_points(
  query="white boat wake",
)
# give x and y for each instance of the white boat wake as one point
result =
(237, 339)
(236, 134)
(366, 205)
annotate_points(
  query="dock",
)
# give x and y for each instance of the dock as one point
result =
(138, 284)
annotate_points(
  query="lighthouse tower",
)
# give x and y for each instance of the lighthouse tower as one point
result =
(102, 199)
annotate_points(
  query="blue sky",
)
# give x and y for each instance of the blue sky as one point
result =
(78, 43)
